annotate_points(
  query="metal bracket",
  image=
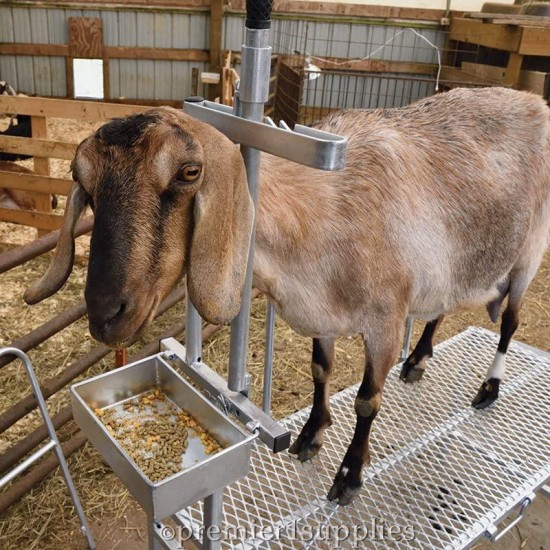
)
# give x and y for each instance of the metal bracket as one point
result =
(271, 432)
(303, 145)
(495, 535)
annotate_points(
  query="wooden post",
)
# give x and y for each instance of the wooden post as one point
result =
(43, 201)
(121, 357)
(216, 20)
(511, 75)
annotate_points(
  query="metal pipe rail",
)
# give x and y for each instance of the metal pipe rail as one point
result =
(22, 254)
(54, 384)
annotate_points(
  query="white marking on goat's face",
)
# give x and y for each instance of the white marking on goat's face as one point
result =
(142, 174)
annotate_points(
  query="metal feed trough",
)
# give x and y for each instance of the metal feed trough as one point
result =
(442, 474)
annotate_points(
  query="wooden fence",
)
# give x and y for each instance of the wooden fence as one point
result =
(41, 184)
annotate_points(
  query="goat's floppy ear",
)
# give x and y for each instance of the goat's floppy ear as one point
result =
(61, 264)
(224, 217)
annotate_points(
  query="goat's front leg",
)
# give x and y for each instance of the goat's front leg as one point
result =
(381, 352)
(310, 440)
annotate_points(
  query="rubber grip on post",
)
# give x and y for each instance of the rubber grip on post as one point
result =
(258, 14)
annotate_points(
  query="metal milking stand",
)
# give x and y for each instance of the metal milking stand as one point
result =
(247, 126)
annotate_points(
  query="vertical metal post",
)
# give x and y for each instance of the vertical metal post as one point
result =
(268, 362)
(193, 341)
(213, 517)
(253, 93)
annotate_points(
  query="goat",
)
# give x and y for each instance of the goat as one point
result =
(442, 204)
(21, 129)
(14, 198)
(19, 126)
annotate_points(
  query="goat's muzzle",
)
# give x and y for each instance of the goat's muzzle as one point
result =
(115, 320)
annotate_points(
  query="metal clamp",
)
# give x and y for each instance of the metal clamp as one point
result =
(495, 535)
(304, 145)
(252, 417)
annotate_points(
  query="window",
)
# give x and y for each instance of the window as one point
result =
(88, 78)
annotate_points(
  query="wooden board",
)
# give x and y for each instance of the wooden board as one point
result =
(86, 37)
(456, 75)
(37, 147)
(32, 182)
(368, 65)
(492, 36)
(66, 108)
(518, 19)
(532, 81)
(54, 50)
(304, 8)
(43, 201)
(45, 222)
(534, 41)
(163, 54)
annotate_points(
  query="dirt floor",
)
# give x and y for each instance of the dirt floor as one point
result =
(44, 519)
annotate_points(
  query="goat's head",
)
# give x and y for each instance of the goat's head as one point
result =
(170, 198)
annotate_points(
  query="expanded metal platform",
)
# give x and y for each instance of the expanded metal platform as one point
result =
(442, 473)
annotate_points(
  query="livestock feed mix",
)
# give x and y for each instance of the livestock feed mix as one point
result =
(161, 438)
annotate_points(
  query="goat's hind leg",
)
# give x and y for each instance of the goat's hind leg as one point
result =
(310, 440)
(414, 366)
(488, 392)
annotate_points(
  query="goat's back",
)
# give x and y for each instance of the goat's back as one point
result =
(446, 196)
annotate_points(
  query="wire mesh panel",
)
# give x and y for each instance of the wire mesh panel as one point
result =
(442, 473)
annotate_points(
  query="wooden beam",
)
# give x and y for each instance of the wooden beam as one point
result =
(347, 10)
(216, 23)
(511, 75)
(46, 222)
(161, 54)
(304, 8)
(370, 65)
(56, 50)
(476, 32)
(114, 52)
(43, 201)
(66, 108)
(534, 41)
(32, 182)
(532, 81)
(518, 19)
(456, 75)
(37, 147)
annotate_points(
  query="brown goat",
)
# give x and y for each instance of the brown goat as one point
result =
(442, 204)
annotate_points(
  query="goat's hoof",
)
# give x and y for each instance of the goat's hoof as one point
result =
(487, 394)
(343, 490)
(411, 373)
(306, 446)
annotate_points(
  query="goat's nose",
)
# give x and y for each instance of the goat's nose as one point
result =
(104, 311)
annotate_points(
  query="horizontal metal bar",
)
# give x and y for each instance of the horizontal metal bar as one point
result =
(496, 536)
(303, 145)
(20, 468)
(273, 434)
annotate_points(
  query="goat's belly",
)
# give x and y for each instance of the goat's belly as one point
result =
(313, 320)
(429, 309)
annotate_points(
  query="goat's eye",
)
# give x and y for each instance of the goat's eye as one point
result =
(189, 173)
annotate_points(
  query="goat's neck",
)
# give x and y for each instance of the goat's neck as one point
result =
(293, 203)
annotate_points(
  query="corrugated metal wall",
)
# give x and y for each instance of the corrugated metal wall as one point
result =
(145, 79)
(132, 78)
